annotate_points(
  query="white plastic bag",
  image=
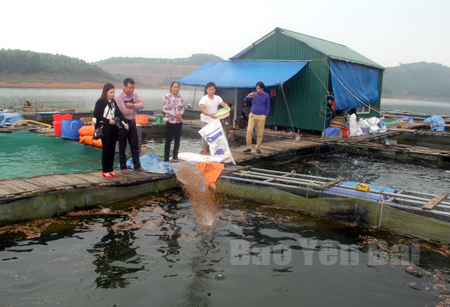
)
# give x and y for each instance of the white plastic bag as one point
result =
(355, 129)
(218, 144)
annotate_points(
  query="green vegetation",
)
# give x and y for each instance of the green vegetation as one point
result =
(28, 66)
(194, 59)
(420, 80)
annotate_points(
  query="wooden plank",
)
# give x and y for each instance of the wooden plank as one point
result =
(435, 201)
(8, 189)
(25, 185)
(3, 192)
(135, 175)
(330, 183)
(49, 182)
(90, 178)
(13, 187)
(35, 182)
(70, 180)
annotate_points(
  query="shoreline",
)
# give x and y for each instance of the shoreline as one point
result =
(80, 85)
(84, 84)
(99, 85)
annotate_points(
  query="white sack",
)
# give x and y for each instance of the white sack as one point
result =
(355, 129)
(218, 144)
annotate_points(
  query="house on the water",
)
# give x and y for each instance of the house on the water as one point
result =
(299, 72)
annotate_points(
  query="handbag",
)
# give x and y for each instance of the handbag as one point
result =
(98, 133)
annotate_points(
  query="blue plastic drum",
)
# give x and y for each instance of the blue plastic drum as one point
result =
(70, 127)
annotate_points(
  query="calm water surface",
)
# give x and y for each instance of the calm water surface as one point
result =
(152, 252)
(83, 99)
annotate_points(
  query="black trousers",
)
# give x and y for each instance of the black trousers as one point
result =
(109, 139)
(172, 131)
(130, 136)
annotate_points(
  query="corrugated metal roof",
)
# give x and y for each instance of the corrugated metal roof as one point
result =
(333, 50)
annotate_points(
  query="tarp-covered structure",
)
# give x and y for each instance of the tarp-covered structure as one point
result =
(243, 74)
(353, 84)
(299, 71)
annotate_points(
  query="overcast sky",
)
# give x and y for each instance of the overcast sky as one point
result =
(388, 32)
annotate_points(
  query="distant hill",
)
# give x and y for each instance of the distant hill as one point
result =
(422, 80)
(28, 66)
(155, 71)
(195, 59)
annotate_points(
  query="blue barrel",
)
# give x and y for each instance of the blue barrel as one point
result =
(70, 127)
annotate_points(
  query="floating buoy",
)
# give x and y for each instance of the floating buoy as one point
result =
(362, 187)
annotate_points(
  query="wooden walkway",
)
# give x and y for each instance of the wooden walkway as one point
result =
(271, 149)
(29, 186)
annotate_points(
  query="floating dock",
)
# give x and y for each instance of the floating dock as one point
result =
(28, 198)
(403, 212)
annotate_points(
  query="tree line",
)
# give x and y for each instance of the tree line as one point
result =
(30, 62)
(417, 80)
(195, 59)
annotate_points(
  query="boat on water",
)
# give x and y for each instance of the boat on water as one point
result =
(53, 111)
(28, 109)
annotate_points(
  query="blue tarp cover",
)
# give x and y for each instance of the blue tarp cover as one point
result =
(153, 164)
(436, 120)
(353, 83)
(8, 118)
(243, 74)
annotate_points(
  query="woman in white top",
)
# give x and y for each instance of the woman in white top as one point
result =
(209, 104)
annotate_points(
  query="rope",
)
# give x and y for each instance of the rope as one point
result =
(318, 75)
(193, 104)
(381, 215)
(285, 101)
(293, 173)
(310, 185)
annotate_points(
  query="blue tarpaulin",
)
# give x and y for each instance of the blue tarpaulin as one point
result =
(243, 74)
(153, 164)
(353, 84)
(437, 123)
(9, 118)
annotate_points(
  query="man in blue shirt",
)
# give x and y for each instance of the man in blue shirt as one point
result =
(257, 117)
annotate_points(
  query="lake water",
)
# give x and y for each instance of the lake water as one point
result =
(417, 106)
(155, 251)
(84, 99)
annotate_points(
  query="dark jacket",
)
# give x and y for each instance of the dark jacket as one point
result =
(99, 109)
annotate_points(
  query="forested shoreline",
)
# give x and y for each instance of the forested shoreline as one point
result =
(421, 81)
(28, 66)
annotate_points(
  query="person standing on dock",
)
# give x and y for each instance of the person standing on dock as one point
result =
(260, 110)
(209, 104)
(129, 102)
(173, 106)
(105, 113)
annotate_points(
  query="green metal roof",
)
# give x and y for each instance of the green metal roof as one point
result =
(332, 50)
